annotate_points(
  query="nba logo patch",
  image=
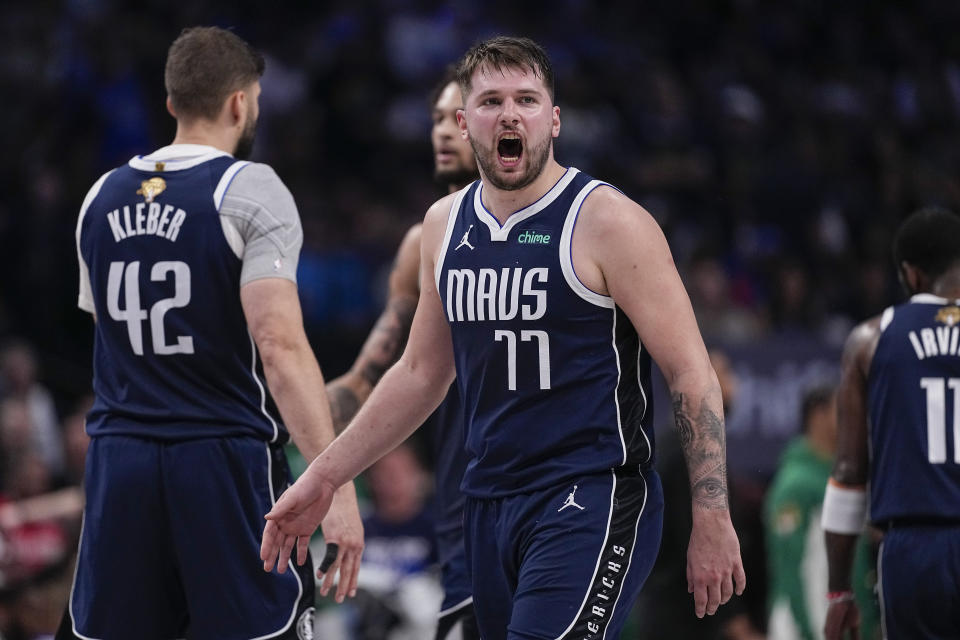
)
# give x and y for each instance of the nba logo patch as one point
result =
(305, 624)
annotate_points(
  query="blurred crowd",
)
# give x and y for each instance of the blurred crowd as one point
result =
(778, 144)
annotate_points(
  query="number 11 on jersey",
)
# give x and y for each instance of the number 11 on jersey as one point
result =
(543, 354)
(937, 418)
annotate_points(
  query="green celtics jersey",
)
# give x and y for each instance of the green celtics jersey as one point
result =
(796, 553)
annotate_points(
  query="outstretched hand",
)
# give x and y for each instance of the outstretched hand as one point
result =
(342, 529)
(714, 568)
(292, 521)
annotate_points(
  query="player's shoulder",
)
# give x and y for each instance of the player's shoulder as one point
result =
(253, 174)
(610, 209)
(862, 342)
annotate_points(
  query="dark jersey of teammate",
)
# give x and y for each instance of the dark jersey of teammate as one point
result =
(914, 413)
(552, 377)
(173, 358)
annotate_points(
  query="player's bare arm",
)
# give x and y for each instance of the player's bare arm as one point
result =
(403, 399)
(272, 311)
(850, 471)
(620, 251)
(387, 339)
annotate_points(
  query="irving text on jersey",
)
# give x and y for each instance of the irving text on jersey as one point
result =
(935, 341)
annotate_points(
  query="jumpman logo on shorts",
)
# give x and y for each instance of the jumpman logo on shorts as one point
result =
(570, 502)
(466, 239)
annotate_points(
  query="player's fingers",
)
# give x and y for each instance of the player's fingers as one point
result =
(349, 566)
(739, 578)
(689, 579)
(329, 566)
(269, 545)
(286, 548)
(303, 545)
(726, 589)
(700, 599)
(713, 597)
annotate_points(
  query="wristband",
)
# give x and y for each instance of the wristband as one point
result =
(844, 508)
(839, 596)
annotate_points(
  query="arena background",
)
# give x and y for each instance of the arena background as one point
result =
(778, 144)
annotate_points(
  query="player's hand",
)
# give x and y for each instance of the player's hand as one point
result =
(842, 617)
(293, 519)
(714, 568)
(342, 527)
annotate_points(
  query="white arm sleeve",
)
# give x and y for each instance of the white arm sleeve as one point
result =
(261, 223)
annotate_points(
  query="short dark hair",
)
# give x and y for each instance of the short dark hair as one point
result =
(503, 52)
(929, 240)
(449, 75)
(204, 66)
(815, 398)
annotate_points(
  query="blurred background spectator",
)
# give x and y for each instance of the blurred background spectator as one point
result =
(797, 554)
(778, 145)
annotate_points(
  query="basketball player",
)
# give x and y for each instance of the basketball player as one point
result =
(454, 167)
(187, 260)
(899, 433)
(547, 292)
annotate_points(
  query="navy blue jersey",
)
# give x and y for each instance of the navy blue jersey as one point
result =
(173, 358)
(914, 418)
(552, 377)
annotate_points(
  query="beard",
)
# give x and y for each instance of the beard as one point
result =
(487, 159)
(245, 143)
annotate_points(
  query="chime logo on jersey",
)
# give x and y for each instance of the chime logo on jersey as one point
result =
(151, 188)
(532, 236)
(488, 294)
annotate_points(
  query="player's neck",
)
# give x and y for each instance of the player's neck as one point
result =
(501, 203)
(947, 285)
(202, 132)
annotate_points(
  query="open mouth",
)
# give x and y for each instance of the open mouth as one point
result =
(510, 148)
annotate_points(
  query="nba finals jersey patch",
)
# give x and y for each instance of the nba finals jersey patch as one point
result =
(151, 188)
(948, 316)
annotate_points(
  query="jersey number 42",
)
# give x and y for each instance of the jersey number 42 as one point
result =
(128, 275)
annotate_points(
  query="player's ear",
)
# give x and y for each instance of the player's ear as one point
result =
(912, 278)
(556, 121)
(170, 108)
(236, 107)
(462, 123)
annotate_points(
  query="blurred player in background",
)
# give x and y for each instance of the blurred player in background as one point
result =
(899, 434)
(539, 286)
(187, 262)
(454, 168)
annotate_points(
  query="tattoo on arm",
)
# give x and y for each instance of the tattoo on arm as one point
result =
(344, 404)
(388, 338)
(703, 442)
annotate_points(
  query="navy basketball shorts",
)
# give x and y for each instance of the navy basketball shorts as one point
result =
(566, 562)
(919, 583)
(170, 545)
(456, 620)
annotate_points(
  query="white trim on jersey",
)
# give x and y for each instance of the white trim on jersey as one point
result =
(176, 157)
(886, 319)
(633, 548)
(616, 388)
(880, 598)
(263, 392)
(290, 565)
(73, 587)
(230, 231)
(225, 181)
(566, 251)
(929, 298)
(596, 568)
(451, 223)
(643, 394)
(500, 234)
(460, 605)
(85, 296)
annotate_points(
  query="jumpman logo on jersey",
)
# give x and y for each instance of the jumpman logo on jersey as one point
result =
(570, 502)
(466, 239)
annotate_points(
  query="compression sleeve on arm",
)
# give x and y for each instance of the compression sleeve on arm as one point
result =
(261, 223)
